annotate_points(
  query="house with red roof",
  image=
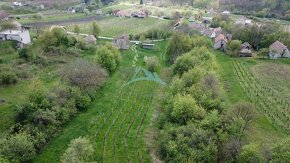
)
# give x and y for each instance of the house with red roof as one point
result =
(278, 50)
(220, 42)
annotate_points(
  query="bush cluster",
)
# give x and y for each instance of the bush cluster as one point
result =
(7, 75)
(39, 119)
(108, 57)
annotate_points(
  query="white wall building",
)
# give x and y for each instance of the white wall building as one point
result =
(19, 34)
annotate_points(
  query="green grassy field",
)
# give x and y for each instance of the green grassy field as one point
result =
(51, 17)
(113, 26)
(117, 120)
(263, 129)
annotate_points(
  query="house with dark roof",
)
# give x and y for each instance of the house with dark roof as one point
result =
(220, 42)
(122, 42)
(209, 33)
(246, 45)
(246, 50)
(278, 50)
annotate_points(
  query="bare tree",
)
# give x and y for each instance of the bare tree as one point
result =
(84, 74)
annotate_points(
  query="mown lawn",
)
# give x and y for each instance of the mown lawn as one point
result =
(262, 130)
(111, 116)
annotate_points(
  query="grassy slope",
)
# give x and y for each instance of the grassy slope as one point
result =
(113, 26)
(82, 124)
(261, 131)
(45, 78)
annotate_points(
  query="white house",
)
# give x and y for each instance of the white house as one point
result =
(19, 33)
(278, 50)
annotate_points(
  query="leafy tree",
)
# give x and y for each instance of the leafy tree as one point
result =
(186, 109)
(234, 48)
(77, 29)
(178, 45)
(250, 153)
(95, 29)
(106, 59)
(115, 51)
(281, 151)
(184, 63)
(79, 150)
(18, 147)
(240, 116)
(3, 160)
(188, 143)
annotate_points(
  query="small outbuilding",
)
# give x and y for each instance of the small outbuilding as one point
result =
(246, 45)
(246, 53)
(148, 46)
(278, 50)
(18, 33)
(91, 39)
(122, 42)
(220, 42)
(246, 50)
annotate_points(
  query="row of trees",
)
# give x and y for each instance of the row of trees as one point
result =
(195, 125)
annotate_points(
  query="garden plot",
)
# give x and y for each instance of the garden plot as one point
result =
(117, 138)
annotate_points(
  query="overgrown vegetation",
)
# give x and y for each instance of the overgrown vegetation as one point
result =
(195, 124)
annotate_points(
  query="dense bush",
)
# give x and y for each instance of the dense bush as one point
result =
(178, 45)
(234, 48)
(79, 150)
(7, 75)
(39, 119)
(18, 147)
(108, 57)
(152, 63)
(56, 39)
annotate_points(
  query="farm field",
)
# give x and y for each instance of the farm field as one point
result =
(113, 26)
(242, 84)
(116, 122)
